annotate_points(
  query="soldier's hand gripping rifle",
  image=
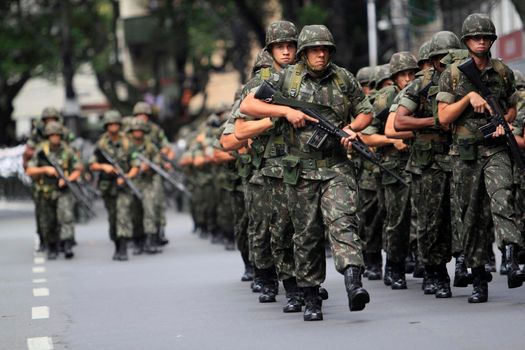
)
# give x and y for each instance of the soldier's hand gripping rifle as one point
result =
(77, 194)
(324, 127)
(120, 172)
(164, 174)
(498, 116)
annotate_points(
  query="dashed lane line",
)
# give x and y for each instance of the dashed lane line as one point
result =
(40, 292)
(40, 343)
(40, 312)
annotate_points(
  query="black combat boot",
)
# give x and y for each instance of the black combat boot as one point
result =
(398, 276)
(514, 275)
(410, 262)
(68, 249)
(52, 251)
(387, 279)
(419, 269)
(116, 253)
(313, 304)
(248, 269)
(150, 245)
(294, 296)
(481, 288)
(357, 296)
(162, 236)
(323, 293)
(491, 265)
(123, 249)
(461, 276)
(430, 280)
(257, 283)
(443, 282)
(503, 266)
(269, 290)
(138, 245)
(376, 265)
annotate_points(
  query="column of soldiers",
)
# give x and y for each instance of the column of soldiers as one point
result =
(440, 190)
(126, 156)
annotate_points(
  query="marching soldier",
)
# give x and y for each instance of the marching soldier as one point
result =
(55, 201)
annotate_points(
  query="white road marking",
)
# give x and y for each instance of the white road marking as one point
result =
(39, 280)
(39, 260)
(40, 312)
(40, 343)
(40, 292)
(39, 269)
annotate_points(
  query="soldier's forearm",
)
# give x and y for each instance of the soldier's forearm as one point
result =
(390, 130)
(260, 109)
(448, 113)
(74, 175)
(511, 114)
(405, 120)
(361, 121)
(231, 143)
(249, 129)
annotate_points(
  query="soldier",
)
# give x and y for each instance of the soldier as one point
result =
(321, 189)
(365, 77)
(423, 60)
(49, 114)
(116, 195)
(481, 166)
(270, 225)
(403, 67)
(55, 201)
(145, 181)
(430, 166)
(144, 111)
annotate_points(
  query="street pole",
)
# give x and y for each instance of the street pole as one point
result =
(372, 33)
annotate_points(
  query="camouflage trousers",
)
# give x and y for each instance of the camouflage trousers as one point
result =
(432, 200)
(317, 207)
(281, 230)
(397, 225)
(371, 214)
(259, 201)
(240, 217)
(160, 201)
(125, 200)
(56, 216)
(225, 219)
(34, 196)
(474, 180)
(149, 205)
(520, 208)
(110, 203)
(412, 238)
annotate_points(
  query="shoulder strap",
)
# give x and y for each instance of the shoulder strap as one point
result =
(341, 80)
(454, 74)
(501, 69)
(265, 73)
(293, 79)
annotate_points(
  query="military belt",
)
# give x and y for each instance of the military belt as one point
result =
(311, 164)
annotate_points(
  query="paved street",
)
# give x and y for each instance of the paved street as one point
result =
(191, 297)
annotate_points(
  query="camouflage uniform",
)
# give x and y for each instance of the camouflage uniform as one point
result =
(55, 204)
(482, 166)
(519, 178)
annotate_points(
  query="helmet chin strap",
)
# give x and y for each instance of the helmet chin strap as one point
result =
(312, 69)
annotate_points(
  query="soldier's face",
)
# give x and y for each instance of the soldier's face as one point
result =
(143, 117)
(403, 78)
(318, 57)
(478, 44)
(284, 53)
(54, 139)
(436, 62)
(138, 134)
(113, 128)
(425, 64)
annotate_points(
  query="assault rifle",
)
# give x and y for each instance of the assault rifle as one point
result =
(120, 171)
(164, 174)
(473, 74)
(77, 194)
(324, 127)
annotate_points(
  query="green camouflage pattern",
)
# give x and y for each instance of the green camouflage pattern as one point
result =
(442, 42)
(381, 74)
(365, 75)
(142, 108)
(314, 35)
(478, 24)
(50, 112)
(280, 31)
(424, 51)
(53, 128)
(401, 61)
(112, 117)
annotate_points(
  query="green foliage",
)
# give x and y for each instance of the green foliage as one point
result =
(422, 11)
(312, 14)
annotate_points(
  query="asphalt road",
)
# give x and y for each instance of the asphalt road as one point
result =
(191, 297)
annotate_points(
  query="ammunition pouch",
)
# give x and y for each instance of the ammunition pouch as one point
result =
(387, 178)
(244, 166)
(467, 147)
(291, 169)
(423, 153)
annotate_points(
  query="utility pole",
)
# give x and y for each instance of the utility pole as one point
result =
(372, 33)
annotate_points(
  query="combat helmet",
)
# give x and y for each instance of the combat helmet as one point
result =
(112, 117)
(138, 124)
(401, 61)
(50, 112)
(315, 35)
(365, 75)
(263, 60)
(520, 78)
(142, 108)
(280, 31)
(478, 24)
(53, 128)
(443, 42)
(382, 74)
(424, 52)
